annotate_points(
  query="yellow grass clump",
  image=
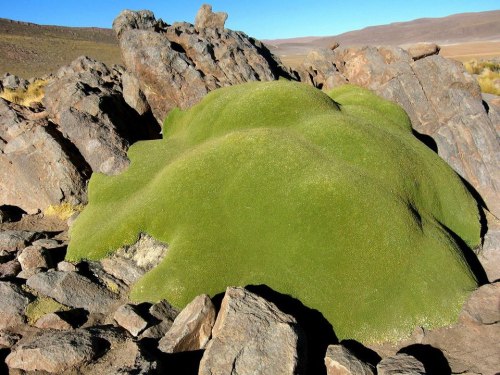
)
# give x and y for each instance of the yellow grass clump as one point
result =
(64, 210)
(487, 74)
(34, 93)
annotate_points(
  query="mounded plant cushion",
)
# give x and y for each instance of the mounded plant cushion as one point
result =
(330, 199)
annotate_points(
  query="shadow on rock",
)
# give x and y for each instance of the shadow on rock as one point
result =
(361, 352)
(433, 359)
(318, 330)
(426, 140)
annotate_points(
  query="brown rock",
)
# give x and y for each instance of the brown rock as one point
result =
(8, 339)
(10, 269)
(420, 50)
(251, 336)
(192, 328)
(489, 254)
(13, 305)
(178, 65)
(66, 266)
(400, 364)
(14, 240)
(340, 361)
(206, 19)
(35, 256)
(127, 317)
(483, 306)
(133, 95)
(53, 321)
(54, 352)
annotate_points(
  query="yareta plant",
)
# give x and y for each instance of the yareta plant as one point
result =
(328, 198)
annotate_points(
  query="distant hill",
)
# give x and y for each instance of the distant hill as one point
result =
(29, 50)
(458, 28)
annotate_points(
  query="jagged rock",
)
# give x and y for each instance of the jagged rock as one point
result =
(38, 166)
(442, 100)
(73, 289)
(318, 70)
(14, 240)
(157, 331)
(483, 306)
(13, 304)
(130, 263)
(400, 364)
(177, 65)
(192, 328)
(133, 95)
(127, 317)
(206, 19)
(53, 321)
(35, 256)
(420, 50)
(340, 361)
(85, 100)
(252, 336)
(53, 351)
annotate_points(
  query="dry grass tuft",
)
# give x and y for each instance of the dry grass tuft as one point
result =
(487, 74)
(64, 210)
(34, 93)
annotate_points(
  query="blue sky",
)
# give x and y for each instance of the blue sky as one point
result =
(269, 19)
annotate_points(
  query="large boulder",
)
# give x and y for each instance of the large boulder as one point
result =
(176, 65)
(86, 101)
(441, 98)
(38, 166)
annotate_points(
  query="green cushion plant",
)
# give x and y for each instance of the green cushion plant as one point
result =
(328, 198)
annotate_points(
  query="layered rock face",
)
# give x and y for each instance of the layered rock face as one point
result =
(441, 98)
(176, 65)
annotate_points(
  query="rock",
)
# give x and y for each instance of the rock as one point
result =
(133, 95)
(340, 361)
(162, 310)
(420, 50)
(334, 46)
(130, 263)
(468, 346)
(318, 70)
(13, 82)
(73, 289)
(14, 240)
(38, 166)
(157, 331)
(492, 105)
(10, 269)
(192, 328)
(206, 19)
(27, 273)
(127, 317)
(35, 256)
(483, 306)
(442, 100)
(8, 339)
(251, 336)
(489, 254)
(53, 321)
(400, 364)
(66, 266)
(54, 352)
(13, 305)
(177, 65)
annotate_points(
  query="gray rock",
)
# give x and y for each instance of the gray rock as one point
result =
(53, 351)
(13, 82)
(157, 331)
(13, 240)
(127, 317)
(340, 361)
(35, 256)
(400, 364)
(192, 328)
(206, 19)
(8, 339)
(133, 95)
(162, 310)
(489, 254)
(483, 306)
(75, 290)
(178, 65)
(13, 305)
(130, 263)
(420, 50)
(10, 269)
(66, 266)
(251, 336)
(53, 321)
(38, 166)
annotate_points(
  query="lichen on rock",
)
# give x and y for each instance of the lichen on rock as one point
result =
(330, 199)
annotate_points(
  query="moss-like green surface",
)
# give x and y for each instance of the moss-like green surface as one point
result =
(41, 306)
(334, 202)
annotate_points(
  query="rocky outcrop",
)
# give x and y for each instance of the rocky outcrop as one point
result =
(38, 166)
(251, 335)
(176, 65)
(442, 100)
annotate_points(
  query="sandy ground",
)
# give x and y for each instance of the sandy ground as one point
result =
(461, 52)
